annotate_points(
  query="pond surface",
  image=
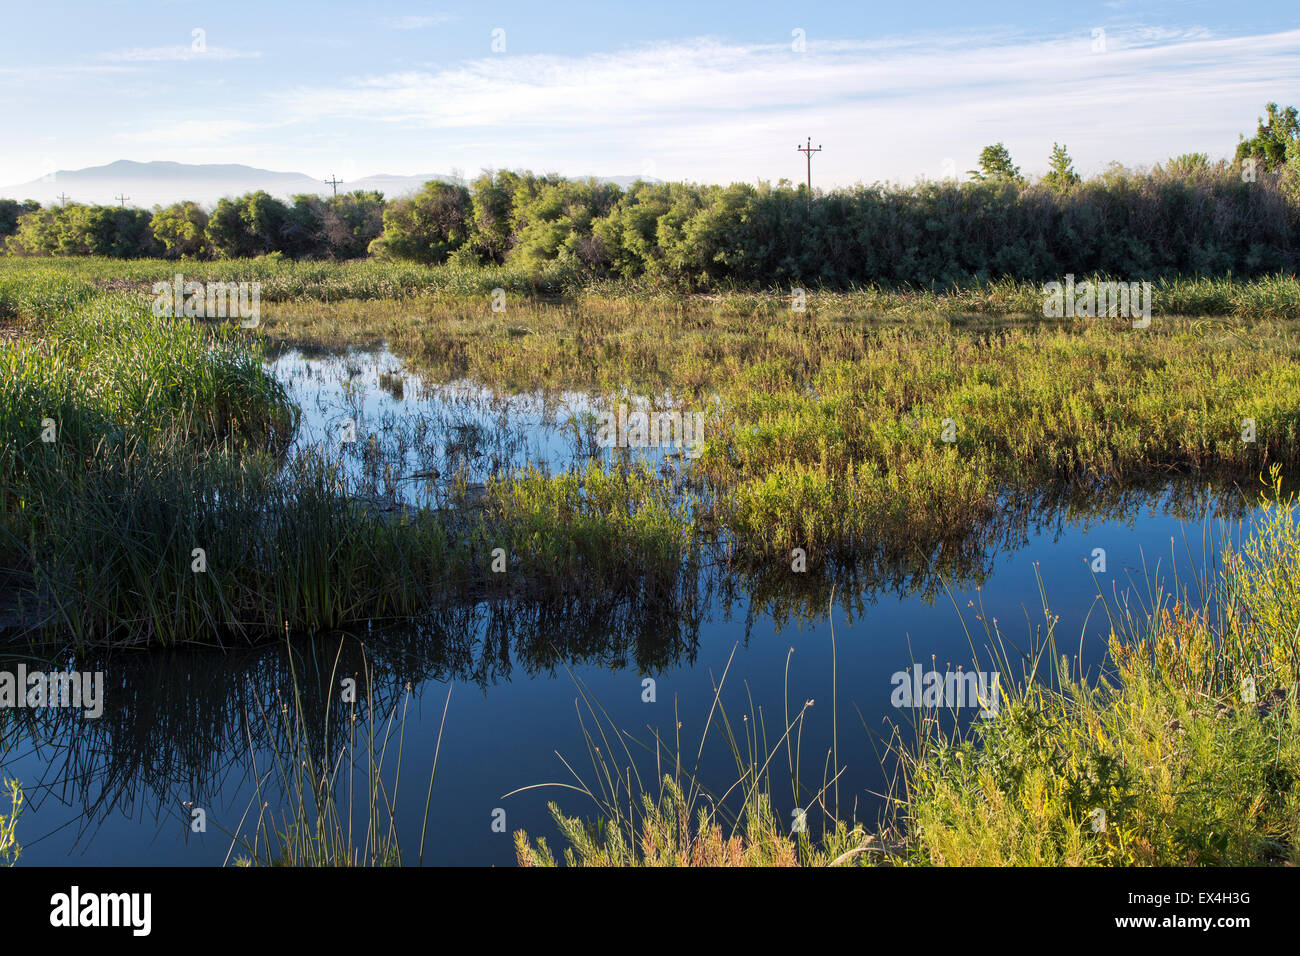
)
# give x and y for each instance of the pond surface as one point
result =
(187, 729)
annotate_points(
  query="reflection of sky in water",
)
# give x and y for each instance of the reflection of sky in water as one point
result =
(412, 440)
(172, 738)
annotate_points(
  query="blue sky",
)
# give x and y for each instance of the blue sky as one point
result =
(709, 92)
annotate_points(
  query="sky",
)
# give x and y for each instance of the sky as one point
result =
(698, 91)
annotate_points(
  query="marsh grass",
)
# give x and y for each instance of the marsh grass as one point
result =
(166, 511)
(850, 425)
(826, 431)
(293, 545)
(314, 827)
(107, 368)
(920, 435)
(607, 340)
(286, 281)
(1183, 751)
(10, 851)
(652, 808)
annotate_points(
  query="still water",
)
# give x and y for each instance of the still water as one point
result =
(187, 729)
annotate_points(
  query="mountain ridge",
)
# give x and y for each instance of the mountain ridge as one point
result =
(162, 182)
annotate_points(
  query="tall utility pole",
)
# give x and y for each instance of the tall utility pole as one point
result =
(63, 199)
(808, 151)
(333, 181)
(122, 199)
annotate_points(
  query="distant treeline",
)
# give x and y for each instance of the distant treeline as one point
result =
(1187, 217)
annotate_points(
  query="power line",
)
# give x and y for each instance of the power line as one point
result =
(333, 181)
(808, 151)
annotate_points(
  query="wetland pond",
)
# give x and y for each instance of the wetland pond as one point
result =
(199, 728)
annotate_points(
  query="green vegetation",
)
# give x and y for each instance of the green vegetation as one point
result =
(147, 499)
(1186, 751)
(80, 230)
(850, 437)
(921, 433)
(375, 298)
(313, 828)
(9, 848)
(875, 423)
(1188, 744)
(995, 164)
(1061, 173)
(685, 823)
(1276, 141)
(11, 210)
(825, 432)
(428, 227)
(1182, 218)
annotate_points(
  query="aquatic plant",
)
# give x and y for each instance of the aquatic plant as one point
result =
(10, 851)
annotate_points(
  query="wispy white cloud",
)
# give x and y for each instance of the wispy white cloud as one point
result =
(418, 22)
(891, 108)
(179, 52)
(202, 132)
(47, 72)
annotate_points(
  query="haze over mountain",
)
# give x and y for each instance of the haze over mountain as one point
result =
(162, 183)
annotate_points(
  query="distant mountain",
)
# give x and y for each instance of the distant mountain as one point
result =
(161, 183)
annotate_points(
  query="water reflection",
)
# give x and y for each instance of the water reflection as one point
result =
(191, 727)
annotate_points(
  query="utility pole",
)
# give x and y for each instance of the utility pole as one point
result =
(122, 199)
(63, 199)
(332, 181)
(808, 151)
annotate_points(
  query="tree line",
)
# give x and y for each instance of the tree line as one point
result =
(255, 224)
(1186, 216)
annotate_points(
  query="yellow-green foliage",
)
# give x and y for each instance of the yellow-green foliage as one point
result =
(1183, 780)
(570, 527)
(9, 848)
(1264, 579)
(826, 429)
(1190, 746)
(670, 835)
(915, 435)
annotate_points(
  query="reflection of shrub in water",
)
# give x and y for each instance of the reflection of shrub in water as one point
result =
(176, 727)
(393, 384)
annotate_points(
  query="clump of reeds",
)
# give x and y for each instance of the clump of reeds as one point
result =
(314, 826)
(673, 818)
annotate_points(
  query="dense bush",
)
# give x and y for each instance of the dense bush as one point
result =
(11, 210)
(1184, 218)
(78, 230)
(310, 227)
(428, 227)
